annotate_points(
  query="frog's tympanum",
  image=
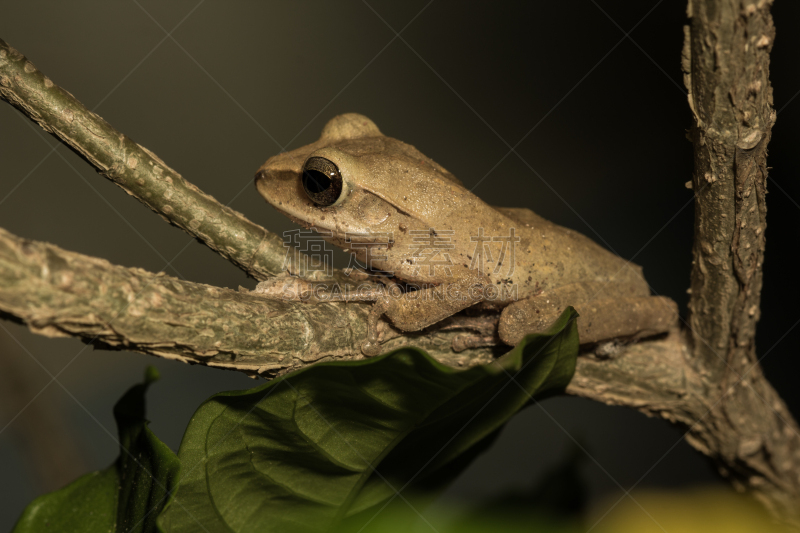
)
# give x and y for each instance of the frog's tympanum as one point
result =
(441, 249)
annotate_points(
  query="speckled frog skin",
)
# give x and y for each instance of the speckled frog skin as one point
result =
(412, 218)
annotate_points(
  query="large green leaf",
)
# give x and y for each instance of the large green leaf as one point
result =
(336, 441)
(127, 496)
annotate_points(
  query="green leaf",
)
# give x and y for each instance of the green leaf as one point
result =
(146, 467)
(127, 496)
(333, 442)
(87, 504)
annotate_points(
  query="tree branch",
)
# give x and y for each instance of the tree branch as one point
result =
(60, 293)
(732, 413)
(726, 60)
(748, 431)
(143, 175)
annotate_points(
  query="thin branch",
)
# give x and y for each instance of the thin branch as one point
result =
(60, 293)
(142, 174)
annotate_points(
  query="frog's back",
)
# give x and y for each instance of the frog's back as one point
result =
(549, 256)
(522, 253)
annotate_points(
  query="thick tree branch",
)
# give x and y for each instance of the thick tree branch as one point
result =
(726, 61)
(749, 431)
(713, 385)
(61, 293)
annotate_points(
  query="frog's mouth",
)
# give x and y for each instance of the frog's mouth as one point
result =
(327, 232)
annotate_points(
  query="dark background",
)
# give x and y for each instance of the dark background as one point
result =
(600, 120)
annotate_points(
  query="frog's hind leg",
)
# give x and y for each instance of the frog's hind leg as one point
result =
(616, 312)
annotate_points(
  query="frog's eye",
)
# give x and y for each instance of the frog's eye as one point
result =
(322, 181)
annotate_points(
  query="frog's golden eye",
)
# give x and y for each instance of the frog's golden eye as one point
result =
(322, 181)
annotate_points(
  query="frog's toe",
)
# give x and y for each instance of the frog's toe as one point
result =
(370, 349)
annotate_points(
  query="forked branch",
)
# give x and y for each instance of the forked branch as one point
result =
(706, 380)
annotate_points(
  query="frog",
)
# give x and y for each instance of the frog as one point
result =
(439, 250)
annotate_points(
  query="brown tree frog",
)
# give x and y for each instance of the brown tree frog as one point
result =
(446, 249)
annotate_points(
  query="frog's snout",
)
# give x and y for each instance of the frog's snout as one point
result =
(273, 176)
(267, 183)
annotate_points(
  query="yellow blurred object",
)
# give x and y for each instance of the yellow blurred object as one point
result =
(686, 511)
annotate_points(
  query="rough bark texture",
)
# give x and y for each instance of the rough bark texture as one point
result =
(60, 293)
(726, 64)
(706, 380)
(748, 431)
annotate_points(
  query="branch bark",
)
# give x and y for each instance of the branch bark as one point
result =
(748, 431)
(60, 293)
(726, 64)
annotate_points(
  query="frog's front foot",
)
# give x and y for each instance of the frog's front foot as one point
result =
(371, 347)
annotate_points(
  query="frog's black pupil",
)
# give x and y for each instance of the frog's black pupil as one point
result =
(315, 181)
(322, 181)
